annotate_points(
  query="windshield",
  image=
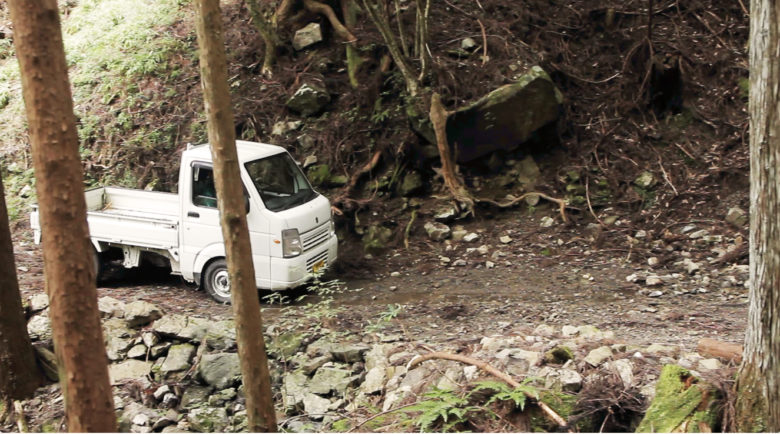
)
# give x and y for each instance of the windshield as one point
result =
(280, 182)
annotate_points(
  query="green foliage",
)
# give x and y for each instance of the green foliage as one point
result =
(440, 407)
(503, 392)
(341, 425)
(392, 311)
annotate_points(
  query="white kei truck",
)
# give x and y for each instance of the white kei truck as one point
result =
(291, 228)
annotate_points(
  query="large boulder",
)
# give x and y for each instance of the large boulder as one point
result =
(308, 100)
(140, 313)
(504, 118)
(208, 419)
(129, 369)
(220, 370)
(179, 358)
(39, 327)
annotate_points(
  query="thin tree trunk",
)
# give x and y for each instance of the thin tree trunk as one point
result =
(19, 375)
(246, 304)
(349, 10)
(268, 33)
(758, 383)
(67, 254)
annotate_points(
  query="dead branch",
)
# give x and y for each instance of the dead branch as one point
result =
(323, 9)
(550, 413)
(409, 229)
(561, 203)
(484, 43)
(590, 207)
(666, 177)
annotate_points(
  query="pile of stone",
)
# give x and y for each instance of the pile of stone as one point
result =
(174, 373)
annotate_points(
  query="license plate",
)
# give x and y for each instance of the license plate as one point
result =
(318, 266)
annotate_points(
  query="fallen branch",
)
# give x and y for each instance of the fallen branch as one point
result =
(550, 413)
(484, 43)
(409, 229)
(590, 207)
(561, 203)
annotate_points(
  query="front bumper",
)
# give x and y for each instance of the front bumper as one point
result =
(292, 272)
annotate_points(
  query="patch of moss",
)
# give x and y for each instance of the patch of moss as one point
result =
(683, 403)
(744, 86)
(341, 425)
(559, 355)
(561, 403)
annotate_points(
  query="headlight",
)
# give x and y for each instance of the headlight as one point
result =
(291, 243)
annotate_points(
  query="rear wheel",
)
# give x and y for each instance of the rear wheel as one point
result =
(217, 282)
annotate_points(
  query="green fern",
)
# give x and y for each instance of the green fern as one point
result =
(440, 406)
(503, 392)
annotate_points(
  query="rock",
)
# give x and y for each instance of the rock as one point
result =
(349, 353)
(645, 180)
(437, 231)
(653, 281)
(737, 217)
(150, 339)
(178, 358)
(140, 313)
(171, 325)
(655, 294)
(458, 233)
(159, 350)
(141, 419)
(411, 184)
(470, 238)
(505, 239)
(562, 380)
(331, 379)
(661, 349)
(281, 128)
(699, 234)
(460, 263)
(170, 400)
(568, 331)
(160, 392)
(129, 369)
(285, 345)
(315, 406)
(546, 222)
(208, 419)
(624, 368)
(293, 391)
(709, 365)
(506, 117)
(690, 266)
(39, 302)
(220, 370)
(375, 380)
(598, 356)
(118, 338)
(489, 265)
(308, 100)
(194, 396)
(163, 422)
(468, 44)
(137, 352)
(653, 261)
(110, 307)
(533, 200)
(223, 396)
(558, 355)
(310, 161)
(377, 238)
(446, 214)
(544, 330)
(307, 36)
(39, 327)
(310, 364)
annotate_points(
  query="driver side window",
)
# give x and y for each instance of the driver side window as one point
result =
(203, 191)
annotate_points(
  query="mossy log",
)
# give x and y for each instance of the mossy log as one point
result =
(683, 403)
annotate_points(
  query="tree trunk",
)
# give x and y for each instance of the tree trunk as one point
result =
(230, 199)
(438, 117)
(758, 383)
(349, 10)
(67, 252)
(19, 375)
(268, 33)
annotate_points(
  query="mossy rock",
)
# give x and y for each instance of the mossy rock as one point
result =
(559, 355)
(319, 174)
(682, 403)
(376, 239)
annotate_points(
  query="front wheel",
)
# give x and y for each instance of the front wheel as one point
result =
(217, 282)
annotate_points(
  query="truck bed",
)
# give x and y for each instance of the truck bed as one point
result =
(134, 217)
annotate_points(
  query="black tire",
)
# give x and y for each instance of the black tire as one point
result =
(99, 266)
(217, 282)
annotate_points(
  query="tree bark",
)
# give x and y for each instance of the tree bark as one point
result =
(19, 375)
(758, 383)
(268, 33)
(67, 252)
(230, 200)
(438, 117)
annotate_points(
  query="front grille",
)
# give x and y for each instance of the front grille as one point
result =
(315, 237)
(323, 256)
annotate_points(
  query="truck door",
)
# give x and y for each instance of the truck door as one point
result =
(201, 231)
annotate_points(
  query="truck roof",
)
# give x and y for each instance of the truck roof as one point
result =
(247, 151)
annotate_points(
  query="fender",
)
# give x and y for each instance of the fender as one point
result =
(216, 250)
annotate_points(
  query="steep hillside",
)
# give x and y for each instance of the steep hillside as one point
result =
(653, 126)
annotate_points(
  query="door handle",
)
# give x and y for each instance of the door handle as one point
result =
(193, 214)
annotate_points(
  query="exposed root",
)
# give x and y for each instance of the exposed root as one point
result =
(21, 421)
(548, 412)
(409, 229)
(323, 9)
(561, 203)
(438, 115)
